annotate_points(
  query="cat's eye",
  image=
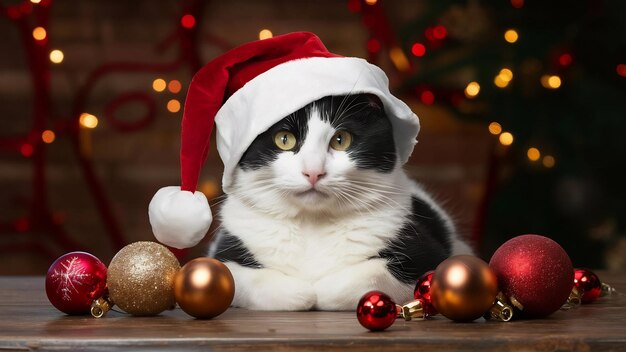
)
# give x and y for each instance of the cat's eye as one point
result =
(341, 141)
(285, 140)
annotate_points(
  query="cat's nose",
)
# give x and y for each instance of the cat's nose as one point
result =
(313, 176)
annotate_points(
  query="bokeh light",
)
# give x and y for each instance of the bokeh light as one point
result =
(506, 138)
(265, 34)
(174, 86)
(551, 81)
(173, 106)
(188, 21)
(56, 56)
(418, 49)
(511, 36)
(88, 120)
(495, 128)
(39, 33)
(472, 89)
(548, 161)
(48, 136)
(533, 154)
(159, 84)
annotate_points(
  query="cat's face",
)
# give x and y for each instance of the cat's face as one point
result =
(333, 155)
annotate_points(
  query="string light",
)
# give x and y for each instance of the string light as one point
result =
(48, 136)
(503, 79)
(621, 70)
(174, 86)
(565, 59)
(511, 36)
(373, 45)
(506, 138)
(440, 32)
(56, 56)
(88, 120)
(354, 5)
(533, 154)
(500, 82)
(371, 2)
(159, 85)
(506, 74)
(418, 49)
(551, 81)
(27, 150)
(39, 33)
(427, 97)
(399, 59)
(35, 1)
(495, 128)
(472, 89)
(173, 106)
(548, 161)
(188, 21)
(265, 34)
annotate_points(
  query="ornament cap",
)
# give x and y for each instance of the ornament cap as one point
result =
(100, 307)
(500, 310)
(574, 300)
(607, 290)
(412, 310)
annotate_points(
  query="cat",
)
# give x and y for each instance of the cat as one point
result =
(321, 212)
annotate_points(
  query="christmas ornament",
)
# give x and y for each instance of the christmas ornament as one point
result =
(588, 284)
(204, 288)
(74, 281)
(422, 291)
(376, 311)
(535, 273)
(237, 92)
(141, 279)
(463, 288)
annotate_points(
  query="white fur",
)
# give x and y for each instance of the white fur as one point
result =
(316, 248)
(179, 219)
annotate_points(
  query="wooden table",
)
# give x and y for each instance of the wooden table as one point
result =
(29, 322)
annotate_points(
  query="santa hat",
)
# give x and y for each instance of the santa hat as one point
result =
(245, 92)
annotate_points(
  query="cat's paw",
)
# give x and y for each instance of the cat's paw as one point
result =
(343, 290)
(276, 292)
(336, 293)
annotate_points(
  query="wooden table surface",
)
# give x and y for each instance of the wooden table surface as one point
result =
(29, 322)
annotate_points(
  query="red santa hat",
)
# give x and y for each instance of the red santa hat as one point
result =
(246, 91)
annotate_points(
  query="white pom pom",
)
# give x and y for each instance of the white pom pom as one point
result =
(179, 219)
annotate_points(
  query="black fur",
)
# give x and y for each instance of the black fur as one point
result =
(263, 150)
(421, 244)
(231, 249)
(362, 115)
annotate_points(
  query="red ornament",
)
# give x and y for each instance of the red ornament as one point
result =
(74, 280)
(422, 291)
(535, 273)
(376, 311)
(588, 284)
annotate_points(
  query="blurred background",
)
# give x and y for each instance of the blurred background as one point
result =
(522, 105)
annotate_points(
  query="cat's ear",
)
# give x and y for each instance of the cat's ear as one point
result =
(374, 101)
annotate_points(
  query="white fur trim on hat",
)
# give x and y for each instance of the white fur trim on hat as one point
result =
(179, 219)
(283, 89)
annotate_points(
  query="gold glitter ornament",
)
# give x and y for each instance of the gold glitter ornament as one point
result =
(141, 278)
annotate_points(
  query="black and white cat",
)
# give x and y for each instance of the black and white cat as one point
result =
(321, 212)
